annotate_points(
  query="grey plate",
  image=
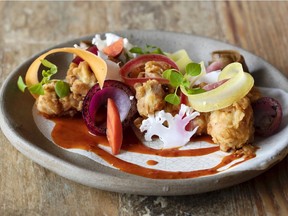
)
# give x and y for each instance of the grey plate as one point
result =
(18, 126)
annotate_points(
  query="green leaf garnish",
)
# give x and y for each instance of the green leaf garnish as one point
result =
(48, 73)
(21, 85)
(137, 50)
(62, 88)
(37, 89)
(177, 79)
(193, 69)
(173, 99)
(195, 90)
(149, 49)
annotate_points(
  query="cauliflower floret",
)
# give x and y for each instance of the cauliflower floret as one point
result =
(174, 134)
(232, 127)
(150, 97)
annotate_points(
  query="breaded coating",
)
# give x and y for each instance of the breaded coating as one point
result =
(232, 127)
(51, 105)
(150, 97)
(155, 69)
(151, 69)
(81, 79)
(200, 122)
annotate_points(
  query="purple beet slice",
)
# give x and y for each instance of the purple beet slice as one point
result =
(94, 110)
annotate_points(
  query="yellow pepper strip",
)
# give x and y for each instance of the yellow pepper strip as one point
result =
(181, 58)
(238, 85)
(97, 65)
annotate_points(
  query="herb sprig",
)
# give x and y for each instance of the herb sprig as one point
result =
(62, 88)
(149, 49)
(177, 79)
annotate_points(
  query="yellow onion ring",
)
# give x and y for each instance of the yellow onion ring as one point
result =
(238, 85)
(97, 65)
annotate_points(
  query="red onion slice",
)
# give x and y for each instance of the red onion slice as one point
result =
(94, 105)
(212, 86)
(214, 66)
(267, 116)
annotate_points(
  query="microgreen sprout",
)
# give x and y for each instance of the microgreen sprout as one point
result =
(62, 88)
(149, 49)
(177, 79)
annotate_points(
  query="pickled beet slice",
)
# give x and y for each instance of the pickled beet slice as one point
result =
(94, 110)
(267, 116)
(92, 49)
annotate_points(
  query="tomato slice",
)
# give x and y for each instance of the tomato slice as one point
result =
(129, 75)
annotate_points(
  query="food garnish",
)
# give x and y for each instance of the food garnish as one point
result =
(95, 104)
(61, 87)
(97, 65)
(115, 48)
(181, 58)
(238, 85)
(114, 127)
(149, 49)
(177, 79)
(173, 134)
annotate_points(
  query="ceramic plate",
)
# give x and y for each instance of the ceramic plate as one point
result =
(17, 123)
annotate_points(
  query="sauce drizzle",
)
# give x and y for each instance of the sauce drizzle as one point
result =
(71, 133)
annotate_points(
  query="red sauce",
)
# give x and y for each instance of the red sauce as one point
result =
(152, 162)
(72, 133)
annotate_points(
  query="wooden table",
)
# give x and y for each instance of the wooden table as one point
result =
(28, 27)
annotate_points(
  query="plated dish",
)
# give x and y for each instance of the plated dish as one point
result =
(99, 172)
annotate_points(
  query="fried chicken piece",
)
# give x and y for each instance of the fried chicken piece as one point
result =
(200, 122)
(151, 69)
(81, 79)
(50, 104)
(150, 97)
(232, 127)
(155, 69)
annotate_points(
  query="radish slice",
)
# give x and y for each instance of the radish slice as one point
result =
(267, 116)
(95, 105)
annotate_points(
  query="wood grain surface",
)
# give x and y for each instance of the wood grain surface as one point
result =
(29, 27)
